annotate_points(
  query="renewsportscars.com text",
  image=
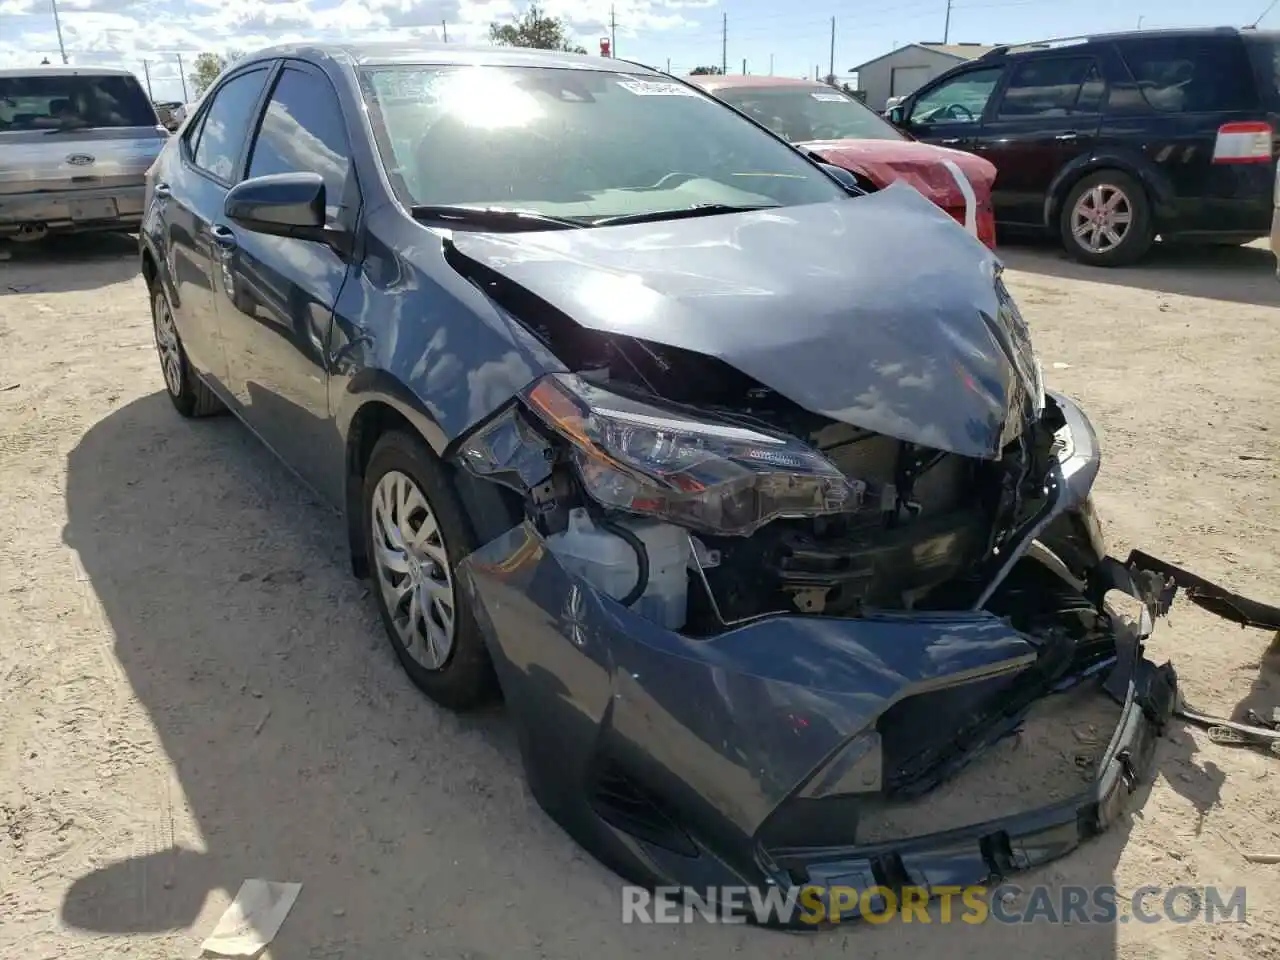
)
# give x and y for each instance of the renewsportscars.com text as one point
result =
(1007, 903)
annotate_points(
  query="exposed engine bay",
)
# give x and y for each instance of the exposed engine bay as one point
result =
(919, 528)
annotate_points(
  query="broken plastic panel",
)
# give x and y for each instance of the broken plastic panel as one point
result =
(703, 474)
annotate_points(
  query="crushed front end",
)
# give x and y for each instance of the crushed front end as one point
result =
(778, 588)
(771, 680)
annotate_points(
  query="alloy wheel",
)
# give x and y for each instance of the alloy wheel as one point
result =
(1101, 218)
(167, 346)
(413, 569)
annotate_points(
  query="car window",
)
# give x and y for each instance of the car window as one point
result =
(1046, 88)
(575, 143)
(226, 124)
(960, 99)
(302, 129)
(73, 101)
(802, 113)
(1191, 74)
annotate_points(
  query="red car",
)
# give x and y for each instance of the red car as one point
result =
(842, 131)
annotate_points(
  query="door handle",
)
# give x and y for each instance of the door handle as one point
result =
(1067, 137)
(162, 191)
(223, 237)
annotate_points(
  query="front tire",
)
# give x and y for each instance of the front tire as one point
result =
(415, 534)
(1106, 220)
(190, 395)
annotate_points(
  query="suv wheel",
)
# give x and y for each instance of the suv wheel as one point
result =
(190, 395)
(415, 535)
(1106, 220)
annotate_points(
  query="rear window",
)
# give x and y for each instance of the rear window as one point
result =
(73, 101)
(1264, 54)
(1191, 74)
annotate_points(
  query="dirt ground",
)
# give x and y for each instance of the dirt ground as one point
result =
(195, 691)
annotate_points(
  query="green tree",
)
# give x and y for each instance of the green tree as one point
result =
(534, 29)
(207, 66)
(705, 72)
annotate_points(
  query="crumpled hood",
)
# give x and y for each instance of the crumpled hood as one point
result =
(919, 164)
(879, 311)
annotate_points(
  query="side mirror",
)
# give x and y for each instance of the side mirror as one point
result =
(897, 116)
(280, 205)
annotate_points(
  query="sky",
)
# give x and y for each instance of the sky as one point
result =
(791, 39)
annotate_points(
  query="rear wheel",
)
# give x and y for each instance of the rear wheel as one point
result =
(1106, 220)
(190, 395)
(416, 533)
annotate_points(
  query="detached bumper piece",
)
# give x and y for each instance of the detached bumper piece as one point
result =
(1210, 596)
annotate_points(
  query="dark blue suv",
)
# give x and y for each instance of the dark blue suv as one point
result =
(1111, 141)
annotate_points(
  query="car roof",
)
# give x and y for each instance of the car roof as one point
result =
(1047, 47)
(390, 53)
(712, 82)
(61, 71)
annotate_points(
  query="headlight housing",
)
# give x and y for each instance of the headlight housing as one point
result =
(715, 477)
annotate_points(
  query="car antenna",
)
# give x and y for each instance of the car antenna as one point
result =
(1270, 7)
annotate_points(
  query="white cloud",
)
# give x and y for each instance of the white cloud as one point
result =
(127, 32)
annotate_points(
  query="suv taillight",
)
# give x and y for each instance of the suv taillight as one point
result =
(1243, 143)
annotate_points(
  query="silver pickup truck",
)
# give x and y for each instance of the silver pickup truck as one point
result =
(75, 146)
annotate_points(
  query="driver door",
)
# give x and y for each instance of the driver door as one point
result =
(949, 113)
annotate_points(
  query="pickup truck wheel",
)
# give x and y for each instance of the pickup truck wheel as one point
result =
(1106, 220)
(190, 396)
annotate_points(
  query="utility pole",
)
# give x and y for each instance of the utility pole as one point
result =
(668, 64)
(946, 26)
(613, 33)
(1140, 19)
(744, 66)
(771, 64)
(444, 30)
(182, 75)
(832, 65)
(57, 24)
(724, 44)
(146, 70)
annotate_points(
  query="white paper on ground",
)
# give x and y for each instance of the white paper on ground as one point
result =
(252, 920)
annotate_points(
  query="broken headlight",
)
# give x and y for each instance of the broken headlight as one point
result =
(707, 475)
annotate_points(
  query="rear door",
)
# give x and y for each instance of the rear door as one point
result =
(1194, 104)
(277, 296)
(1045, 116)
(74, 147)
(210, 155)
(949, 113)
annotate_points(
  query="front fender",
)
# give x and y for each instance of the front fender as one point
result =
(1158, 185)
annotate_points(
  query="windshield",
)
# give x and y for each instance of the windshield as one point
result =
(575, 143)
(72, 101)
(809, 113)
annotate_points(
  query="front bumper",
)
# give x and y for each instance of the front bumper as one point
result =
(66, 211)
(691, 763)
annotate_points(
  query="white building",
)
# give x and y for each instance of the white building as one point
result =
(902, 71)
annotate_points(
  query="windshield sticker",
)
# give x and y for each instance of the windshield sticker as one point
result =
(647, 88)
(828, 97)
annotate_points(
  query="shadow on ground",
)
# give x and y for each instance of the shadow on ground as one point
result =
(67, 264)
(305, 755)
(1238, 274)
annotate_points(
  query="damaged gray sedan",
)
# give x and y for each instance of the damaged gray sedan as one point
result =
(739, 485)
